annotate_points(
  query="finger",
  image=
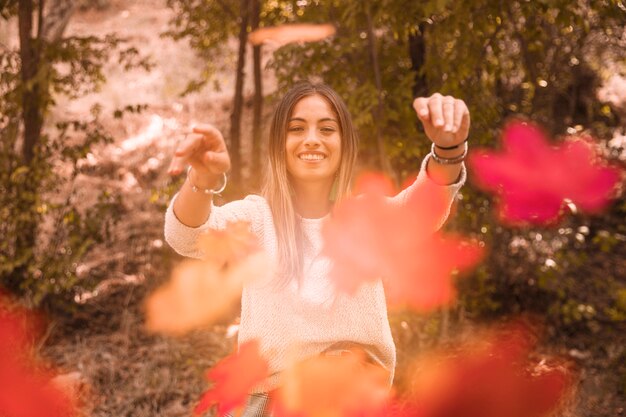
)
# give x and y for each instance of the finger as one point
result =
(190, 144)
(420, 105)
(448, 113)
(435, 108)
(217, 162)
(177, 166)
(184, 151)
(459, 110)
(462, 119)
(208, 130)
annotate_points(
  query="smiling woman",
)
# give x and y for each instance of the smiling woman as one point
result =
(312, 152)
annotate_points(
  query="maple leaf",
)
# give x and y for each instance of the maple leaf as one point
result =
(231, 245)
(533, 179)
(372, 236)
(487, 377)
(27, 390)
(234, 378)
(291, 33)
(201, 292)
(332, 386)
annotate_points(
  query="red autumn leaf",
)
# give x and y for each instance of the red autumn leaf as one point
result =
(372, 236)
(332, 386)
(291, 33)
(490, 377)
(27, 390)
(234, 378)
(533, 178)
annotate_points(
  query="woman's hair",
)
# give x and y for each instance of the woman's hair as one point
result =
(277, 189)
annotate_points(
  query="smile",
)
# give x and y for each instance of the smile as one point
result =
(307, 156)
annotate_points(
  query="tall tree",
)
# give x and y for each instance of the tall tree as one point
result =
(257, 103)
(30, 54)
(380, 108)
(235, 118)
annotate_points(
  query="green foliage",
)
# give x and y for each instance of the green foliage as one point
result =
(46, 231)
(538, 60)
(542, 60)
(207, 26)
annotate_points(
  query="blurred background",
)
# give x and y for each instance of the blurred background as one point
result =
(96, 93)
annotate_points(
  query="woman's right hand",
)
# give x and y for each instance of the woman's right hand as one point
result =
(205, 150)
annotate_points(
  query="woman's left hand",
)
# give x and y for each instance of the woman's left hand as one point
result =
(446, 120)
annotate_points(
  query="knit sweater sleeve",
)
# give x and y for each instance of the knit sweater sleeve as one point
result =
(423, 180)
(183, 239)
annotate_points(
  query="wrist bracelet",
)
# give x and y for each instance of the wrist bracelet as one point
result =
(448, 161)
(449, 148)
(209, 191)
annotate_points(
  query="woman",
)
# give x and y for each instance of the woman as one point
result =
(312, 152)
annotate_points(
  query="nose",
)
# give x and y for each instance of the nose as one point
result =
(311, 141)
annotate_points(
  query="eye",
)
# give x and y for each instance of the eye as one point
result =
(295, 129)
(328, 130)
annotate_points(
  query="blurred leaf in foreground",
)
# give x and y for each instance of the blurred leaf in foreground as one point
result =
(534, 179)
(372, 236)
(234, 377)
(203, 291)
(27, 387)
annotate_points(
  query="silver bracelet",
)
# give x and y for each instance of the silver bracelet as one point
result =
(448, 161)
(209, 191)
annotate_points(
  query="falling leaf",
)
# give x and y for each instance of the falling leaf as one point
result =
(200, 292)
(234, 378)
(533, 179)
(291, 33)
(372, 236)
(332, 386)
(487, 377)
(27, 390)
(230, 245)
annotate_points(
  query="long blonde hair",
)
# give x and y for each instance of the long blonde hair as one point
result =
(277, 188)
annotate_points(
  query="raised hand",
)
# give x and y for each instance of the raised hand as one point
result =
(205, 150)
(446, 120)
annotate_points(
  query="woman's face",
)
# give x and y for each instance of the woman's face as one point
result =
(313, 142)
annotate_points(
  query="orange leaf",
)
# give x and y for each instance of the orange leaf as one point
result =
(487, 377)
(371, 236)
(231, 245)
(291, 33)
(199, 293)
(332, 386)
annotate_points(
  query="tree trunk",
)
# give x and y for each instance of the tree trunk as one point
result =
(31, 98)
(417, 52)
(58, 16)
(379, 112)
(235, 120)
(32, 118)
(257, 122)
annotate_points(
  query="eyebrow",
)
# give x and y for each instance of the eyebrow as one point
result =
(300, 119)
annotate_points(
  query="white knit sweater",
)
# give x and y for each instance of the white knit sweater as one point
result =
(300, 320)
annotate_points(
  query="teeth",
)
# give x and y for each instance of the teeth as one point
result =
(311, 157)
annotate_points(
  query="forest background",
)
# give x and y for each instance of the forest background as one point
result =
(96, 93)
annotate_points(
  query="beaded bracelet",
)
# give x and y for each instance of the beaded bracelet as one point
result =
(209, 191)
(448, 161)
